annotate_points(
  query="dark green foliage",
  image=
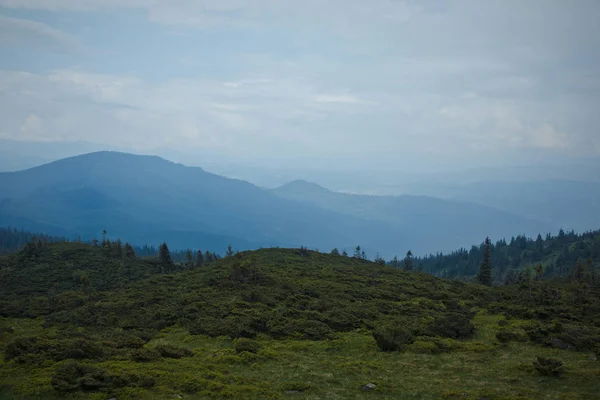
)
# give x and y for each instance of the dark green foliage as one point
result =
(145, 355)
(168, 351)
(335, 252)
(507, 335)
(74, 376)
(558, 256)
(164, 258)
(452, 325)
(249, 345)
(34, 349)
(296, 386)
(408, 261)
(548, 366)
(276, 293)
(199, 259)
(485, 269)
(393, 337)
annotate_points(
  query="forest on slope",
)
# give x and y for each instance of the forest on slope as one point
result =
(85, 321)
(558, 256)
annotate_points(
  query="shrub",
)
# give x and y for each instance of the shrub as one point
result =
(392, 338)
(506, 335)
(20, 346)
(452, 325)
(144, 355)
(502, 322)
(548, 366)
(169, 351)
(75, 376)
(249, 345)
(35, 349)
(305, 328)
(296, 386)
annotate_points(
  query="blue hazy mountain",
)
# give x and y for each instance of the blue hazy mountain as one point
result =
(146, 199)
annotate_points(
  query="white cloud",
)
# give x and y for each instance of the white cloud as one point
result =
(338, 98)
(336, 77)
(26, 33)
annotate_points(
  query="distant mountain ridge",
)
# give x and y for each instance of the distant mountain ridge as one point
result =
(146, 199)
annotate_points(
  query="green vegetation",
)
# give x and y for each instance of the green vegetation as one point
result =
(79, 321)
(555, 256)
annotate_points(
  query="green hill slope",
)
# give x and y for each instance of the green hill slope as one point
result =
(283, 323)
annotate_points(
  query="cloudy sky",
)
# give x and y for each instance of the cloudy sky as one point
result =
(393, 84)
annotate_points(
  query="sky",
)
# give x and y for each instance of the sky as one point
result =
(408, 85)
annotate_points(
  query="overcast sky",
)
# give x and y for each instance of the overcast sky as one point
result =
(394, 84)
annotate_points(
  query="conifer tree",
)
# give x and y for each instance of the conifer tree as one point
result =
(189, 259)
(164, 258)
(357, 252)
(485, 269)
(345, 253)
(129, 252)
(408, 261)
(199, 259)
(229, 251)
(335, 252)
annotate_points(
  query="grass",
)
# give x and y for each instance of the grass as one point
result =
(332, 369)
(284, 300)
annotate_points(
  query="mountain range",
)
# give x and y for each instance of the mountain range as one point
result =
(146, 199)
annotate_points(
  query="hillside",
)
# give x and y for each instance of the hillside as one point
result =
(557, 255)
(150, 200)
(282, 323)
(430, 222)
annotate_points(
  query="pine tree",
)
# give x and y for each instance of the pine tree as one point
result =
(335, 252)
(229, 251)
(357, 252)
(189, 259)
(408, 261)
(363, 255)
(395, 262)
(164, 258)
(485, 269)
(129, 252)
(345, 253)
(539, 272)
(199, 259)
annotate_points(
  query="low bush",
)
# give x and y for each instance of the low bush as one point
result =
(169, 351)
(507, 335)
(145, 355)
(249, 345)
(452, 325)
(74, 376)
(34, 349)
(393, 338)
(548, 366)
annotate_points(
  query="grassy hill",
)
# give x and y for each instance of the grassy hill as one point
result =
(283, 323)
